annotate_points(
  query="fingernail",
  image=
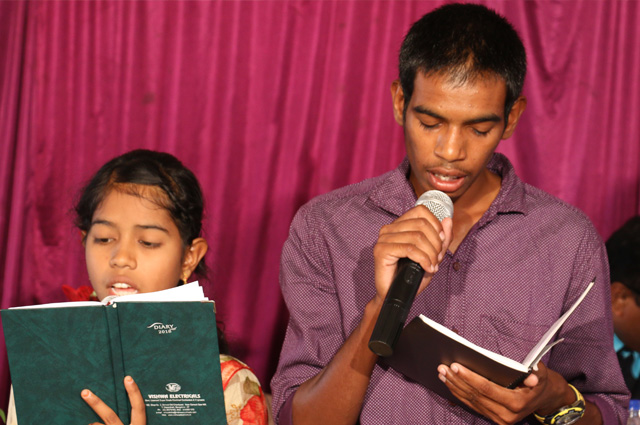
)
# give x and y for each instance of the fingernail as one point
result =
(128, 379)
(454, 368)
(442, 371)
(442, 236)
(440, 256)
(436, 269)
(85, 394)
(442, 378)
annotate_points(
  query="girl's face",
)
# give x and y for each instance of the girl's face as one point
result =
(133, 245)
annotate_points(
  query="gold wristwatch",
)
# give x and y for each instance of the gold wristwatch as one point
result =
(566, 415)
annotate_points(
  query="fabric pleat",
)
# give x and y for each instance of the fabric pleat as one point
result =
(271, 103)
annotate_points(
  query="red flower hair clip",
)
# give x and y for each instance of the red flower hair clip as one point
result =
(83, 293)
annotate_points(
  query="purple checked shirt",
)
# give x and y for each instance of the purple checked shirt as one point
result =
(518, 269)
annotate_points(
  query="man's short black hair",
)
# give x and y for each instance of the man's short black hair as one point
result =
(623, 249)
(464, 41)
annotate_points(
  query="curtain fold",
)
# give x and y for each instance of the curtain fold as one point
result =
(271, 103)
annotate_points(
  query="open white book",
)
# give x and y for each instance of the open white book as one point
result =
(425, 344)
(189, 292)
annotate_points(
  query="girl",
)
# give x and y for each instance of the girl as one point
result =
(141, 219)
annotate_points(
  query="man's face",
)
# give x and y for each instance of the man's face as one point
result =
(451, 130)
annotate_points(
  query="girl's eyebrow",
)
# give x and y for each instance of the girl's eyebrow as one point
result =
(139, 226)
(152, 226)
(104, 222)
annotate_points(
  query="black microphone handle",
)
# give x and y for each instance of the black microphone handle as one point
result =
(395, 308)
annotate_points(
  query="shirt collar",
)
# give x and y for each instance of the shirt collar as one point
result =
(512, 195)
(395, 193)
(635, 367)
(617, 343)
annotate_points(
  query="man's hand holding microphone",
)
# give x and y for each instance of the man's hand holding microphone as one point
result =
(407, 255)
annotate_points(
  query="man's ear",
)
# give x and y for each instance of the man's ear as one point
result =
(397, 95)
(619, 294)
(514, 116)
(192, 256)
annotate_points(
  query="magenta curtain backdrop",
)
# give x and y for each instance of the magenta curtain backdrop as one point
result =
(271, 103)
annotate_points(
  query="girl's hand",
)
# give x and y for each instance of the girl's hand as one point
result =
(138, 414)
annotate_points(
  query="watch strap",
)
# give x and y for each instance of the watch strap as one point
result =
(576, 409)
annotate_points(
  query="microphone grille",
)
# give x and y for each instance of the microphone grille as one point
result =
(438, 203)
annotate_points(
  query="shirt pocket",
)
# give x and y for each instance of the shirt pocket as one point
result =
(509, 338)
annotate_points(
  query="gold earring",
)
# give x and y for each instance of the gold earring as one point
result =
(184, 280)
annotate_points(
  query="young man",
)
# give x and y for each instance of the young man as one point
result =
(623, 249)
(500, 272)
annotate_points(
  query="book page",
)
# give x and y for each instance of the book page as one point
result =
(189, 292)
(62, 305)
(541, 346)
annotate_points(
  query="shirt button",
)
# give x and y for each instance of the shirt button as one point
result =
(457, 266)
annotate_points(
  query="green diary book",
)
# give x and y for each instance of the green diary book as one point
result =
(170, 348)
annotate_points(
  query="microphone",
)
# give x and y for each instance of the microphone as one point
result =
(405, 285)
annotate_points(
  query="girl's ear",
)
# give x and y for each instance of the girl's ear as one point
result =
(83, 236)
(192, 256)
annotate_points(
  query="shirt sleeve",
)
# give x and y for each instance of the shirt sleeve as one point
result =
(244, 399)
(586, 357)
(314, 332)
